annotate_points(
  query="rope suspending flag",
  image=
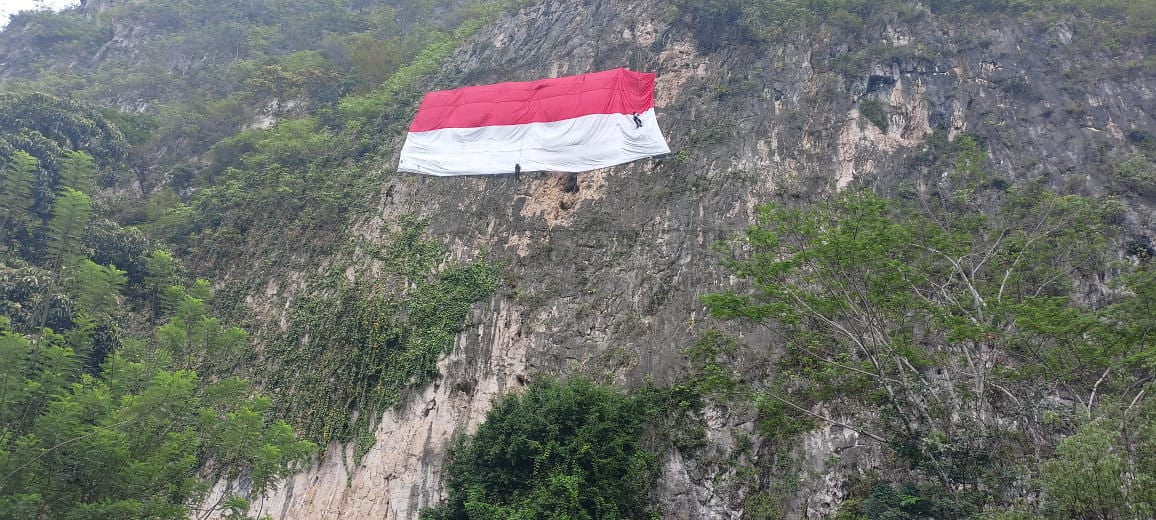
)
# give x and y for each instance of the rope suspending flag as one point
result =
(569, 124)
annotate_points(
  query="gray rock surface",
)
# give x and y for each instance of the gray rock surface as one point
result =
(608, 278)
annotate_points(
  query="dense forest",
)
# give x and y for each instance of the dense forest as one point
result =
(987, 335)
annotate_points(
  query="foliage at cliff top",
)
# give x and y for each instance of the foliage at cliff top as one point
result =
(1109, 23)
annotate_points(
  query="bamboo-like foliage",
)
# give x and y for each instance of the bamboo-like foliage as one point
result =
(77, 171)
(17, 178)
(95, 288)
(133, 439)
(72, 212)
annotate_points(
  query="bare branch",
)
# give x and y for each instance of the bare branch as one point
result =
(826, 419)
(1095, 388)
(980, 303)
(1134, 401)
(989, 254)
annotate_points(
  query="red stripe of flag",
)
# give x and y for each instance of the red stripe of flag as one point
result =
(617, 91)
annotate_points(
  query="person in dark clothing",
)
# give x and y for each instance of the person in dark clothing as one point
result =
(517, 172)
(389, 193)
(637, 121)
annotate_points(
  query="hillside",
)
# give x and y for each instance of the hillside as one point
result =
(966, 189)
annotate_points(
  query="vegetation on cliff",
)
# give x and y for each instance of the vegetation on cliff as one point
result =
(561, 450)
(932, 329)
(381, 337)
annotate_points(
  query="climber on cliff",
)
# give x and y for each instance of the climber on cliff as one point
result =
(517, 172)
(637, 121)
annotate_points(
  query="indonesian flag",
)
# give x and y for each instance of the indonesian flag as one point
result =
(570, 124)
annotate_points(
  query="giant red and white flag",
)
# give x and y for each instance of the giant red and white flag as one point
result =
(570, 124)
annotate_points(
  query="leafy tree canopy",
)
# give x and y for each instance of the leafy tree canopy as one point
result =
(562, 450)
(932, 325)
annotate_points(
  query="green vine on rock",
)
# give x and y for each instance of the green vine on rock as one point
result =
(349, 356)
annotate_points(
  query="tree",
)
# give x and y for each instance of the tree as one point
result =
(134, 439)
(562, 450)
(930, 319)
(32, 375)
(1086, 479)
(16, 180)
(66, 138)
(65, 239)
(161, 272)
(68, 124)
(66, 229)
(194, 338)
(15, 350)
(77, 171)
(95, 288)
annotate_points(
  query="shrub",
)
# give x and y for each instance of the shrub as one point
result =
(1136, 174)
(562, 450)
(875, 112)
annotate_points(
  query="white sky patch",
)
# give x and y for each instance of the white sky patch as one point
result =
(11, 7)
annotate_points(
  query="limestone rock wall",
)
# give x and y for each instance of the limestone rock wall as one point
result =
(607, 277)
(604, 280)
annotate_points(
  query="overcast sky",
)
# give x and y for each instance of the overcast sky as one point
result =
(8, 7)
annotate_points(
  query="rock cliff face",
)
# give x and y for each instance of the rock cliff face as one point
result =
(608, 271)
(605, 269)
